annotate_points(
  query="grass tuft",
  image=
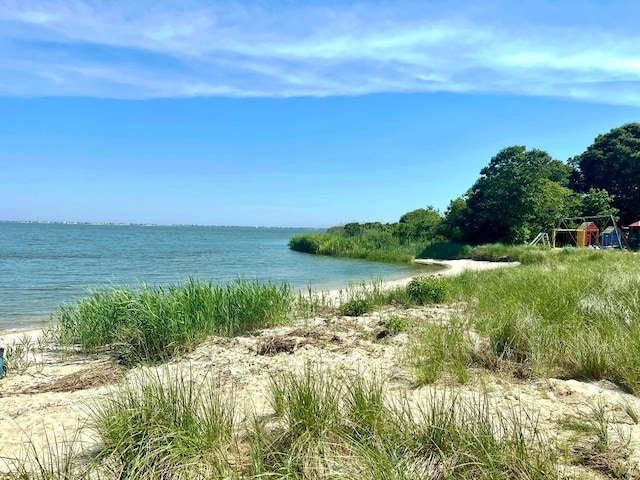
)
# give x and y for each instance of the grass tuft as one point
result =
(164, 422)
(152, 324)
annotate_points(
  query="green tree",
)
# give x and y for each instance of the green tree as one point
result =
(612, 163)
(418, 224)
(518, 194)
(456, 220)
(596, 201)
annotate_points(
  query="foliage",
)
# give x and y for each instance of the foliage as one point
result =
(596, 202)
(372, 245)
(446, 250)
(418, 224)
(154, 323)
(428, 289)
(356, 308)
(612, 163)
(518, 194)
(455, 224)
(397, 324)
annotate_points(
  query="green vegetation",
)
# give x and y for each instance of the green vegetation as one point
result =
(327, 425)
(424, 290)
(436, 351)
(612, 164)
(380, 246)
(165, 422)
(569, 314)
(575, 317)
(342, 426)
(154, 323)
(356, 307)
(519, 193)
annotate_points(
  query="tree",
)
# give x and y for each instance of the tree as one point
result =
(518, 194)
(418, 224)
(612, 163)
(456, 220)
(596, 202)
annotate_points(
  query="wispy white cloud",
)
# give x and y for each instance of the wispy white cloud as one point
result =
(277, 49)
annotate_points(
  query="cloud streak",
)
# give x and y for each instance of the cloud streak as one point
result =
(283, 49)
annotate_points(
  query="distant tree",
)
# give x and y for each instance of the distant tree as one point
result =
(418, 224)
(612, 163)
(518, 194)
(354, 229)
(456, 219)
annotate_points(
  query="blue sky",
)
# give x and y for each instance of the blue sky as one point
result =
(291, 113)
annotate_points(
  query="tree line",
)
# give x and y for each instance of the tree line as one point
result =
(522, 192)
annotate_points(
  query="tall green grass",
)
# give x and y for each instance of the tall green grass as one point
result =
(374, 246)
(385, 247)
(154, 323)
(344, 426)
(166, 424)
(576, 317)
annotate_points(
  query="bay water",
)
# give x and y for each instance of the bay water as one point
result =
(43, 265)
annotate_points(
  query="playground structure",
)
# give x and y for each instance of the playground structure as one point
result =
(632, 236)
(599, 231)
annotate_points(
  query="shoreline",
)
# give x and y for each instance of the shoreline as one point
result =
(52, 391)
(452, 267)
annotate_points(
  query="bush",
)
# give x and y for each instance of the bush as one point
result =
(355, 308)
(428, 289)
(397, 324)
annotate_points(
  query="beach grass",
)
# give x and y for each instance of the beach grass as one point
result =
(337, 425)
(155, 323)
(573, 318)
(165, 421)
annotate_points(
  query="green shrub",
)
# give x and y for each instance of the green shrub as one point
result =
(428, 289)
(305, 243)
(397, 324)
(356, 307)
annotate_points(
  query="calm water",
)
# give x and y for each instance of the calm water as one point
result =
(44, 265)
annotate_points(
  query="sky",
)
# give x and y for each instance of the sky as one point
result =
(294, 113)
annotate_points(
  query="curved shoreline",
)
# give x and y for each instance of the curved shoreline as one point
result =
(452, 267)
(455, 267)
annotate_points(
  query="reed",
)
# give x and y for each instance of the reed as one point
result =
(155, 323)
(374, 246)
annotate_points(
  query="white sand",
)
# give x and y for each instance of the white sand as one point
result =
(30, 412)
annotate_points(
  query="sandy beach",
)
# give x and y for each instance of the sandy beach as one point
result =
(49, 401)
